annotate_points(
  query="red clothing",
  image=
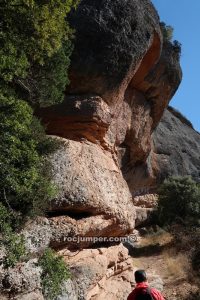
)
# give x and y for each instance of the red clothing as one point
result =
(154, 293)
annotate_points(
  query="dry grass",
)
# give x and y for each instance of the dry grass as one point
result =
(177, 264)
(160, 238)
(138, 263)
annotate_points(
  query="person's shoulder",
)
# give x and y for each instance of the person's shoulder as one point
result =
(156, 294)
(132, 295)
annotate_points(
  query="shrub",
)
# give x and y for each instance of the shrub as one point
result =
(35, 40)
(179, 198)
(13, 243)
(31, 31)
(23, 185)
(54, 273)
(167, 31)
(15, 248)
(177, 48)
(45, 84)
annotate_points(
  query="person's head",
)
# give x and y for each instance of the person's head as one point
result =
(140, 276)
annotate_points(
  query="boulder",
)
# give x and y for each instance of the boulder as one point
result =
(37, 234)
(145, 200)
(112, 38)
(23, 279)
(91, 184)
(102, 273)
(78, 117)
(143, 216)
(79, 234)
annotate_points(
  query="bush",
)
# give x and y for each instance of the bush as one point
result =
(35, 40)
(15, 248)
(177, 48)
(54, 273)
(31, 31)
(23, 186)
(167, 31)
(179, 198)
(45, 85)
(13, 243)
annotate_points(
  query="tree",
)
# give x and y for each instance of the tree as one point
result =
(35, 41)
(23, 186)
(35, 48)
(179, 198)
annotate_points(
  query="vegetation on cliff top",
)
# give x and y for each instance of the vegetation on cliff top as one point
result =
(167, 32)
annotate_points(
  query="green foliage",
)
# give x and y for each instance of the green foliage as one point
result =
(45, 84)
(167, 31)
(15, 248)
(22, 184)
(4, 218)
(35, 48)
(54, 273)
(31, 30)
(35, 45)
(13, 243)
(179, 198)
(177, 48)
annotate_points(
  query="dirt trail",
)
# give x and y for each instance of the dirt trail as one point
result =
(166, 267)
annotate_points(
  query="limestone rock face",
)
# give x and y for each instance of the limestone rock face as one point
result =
(71, 233)
(153, 93)
(22, 281)
(69, 291)
(176, 147)
(161, 83)
(146, 200)
(102, 273)
(91, 184)
(37, 234)
(122, 77)
(112, 38)
(78, 117)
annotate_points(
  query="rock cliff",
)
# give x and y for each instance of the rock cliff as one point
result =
(122, 78)
(118, 141)
(176, 147)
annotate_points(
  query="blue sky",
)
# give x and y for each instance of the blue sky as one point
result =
(183, 16)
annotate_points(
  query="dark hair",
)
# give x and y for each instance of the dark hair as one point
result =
(140, 276)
